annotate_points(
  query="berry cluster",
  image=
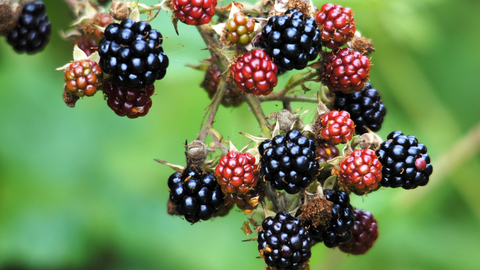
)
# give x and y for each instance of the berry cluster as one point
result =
(132, 53)
(294, 172)
(292, 40)
(33, 29)
(288, 162)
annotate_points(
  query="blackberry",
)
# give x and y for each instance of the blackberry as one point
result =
(194, 12)
(360, 172)
(240, 29)
(288, 161)
(291, 40)
(83, 77)
(255, 73)
(284, 242)
(128, 101)
(365, 107)
(346, 70)
(339, 229)
(365, 233)
(335, 127)
(237, 172)
(195, 194)
(337, 25)
(33, 31)
(132, 53)
(405, 162)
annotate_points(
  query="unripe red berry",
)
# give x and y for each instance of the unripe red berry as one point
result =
(347, 70)
(361, 172)
(237, 172)
(337, 25)
(337, 127)
(194, 12)
(255, 73)
(82, 78)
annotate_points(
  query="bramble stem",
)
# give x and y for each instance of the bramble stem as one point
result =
(257, 110)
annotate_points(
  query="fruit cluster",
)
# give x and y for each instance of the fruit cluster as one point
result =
(293, 183)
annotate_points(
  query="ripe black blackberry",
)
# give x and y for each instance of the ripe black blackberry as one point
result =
(195, 194)
(33, 29)
(405, 162)
(284, 242)
(365, 107)
(288, 161)
(291, 40)
(339, 229)
(132, 53)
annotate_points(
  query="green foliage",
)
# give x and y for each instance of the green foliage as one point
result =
(79, 188)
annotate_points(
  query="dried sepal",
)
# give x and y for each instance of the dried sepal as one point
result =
(177, 168)
(246, 228)
(118, 10)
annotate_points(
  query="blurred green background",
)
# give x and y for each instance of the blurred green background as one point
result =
(79, 188)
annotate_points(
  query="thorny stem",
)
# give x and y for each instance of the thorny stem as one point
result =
(213, 45)
(277, 97)
(217, 99)
(257, 110)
